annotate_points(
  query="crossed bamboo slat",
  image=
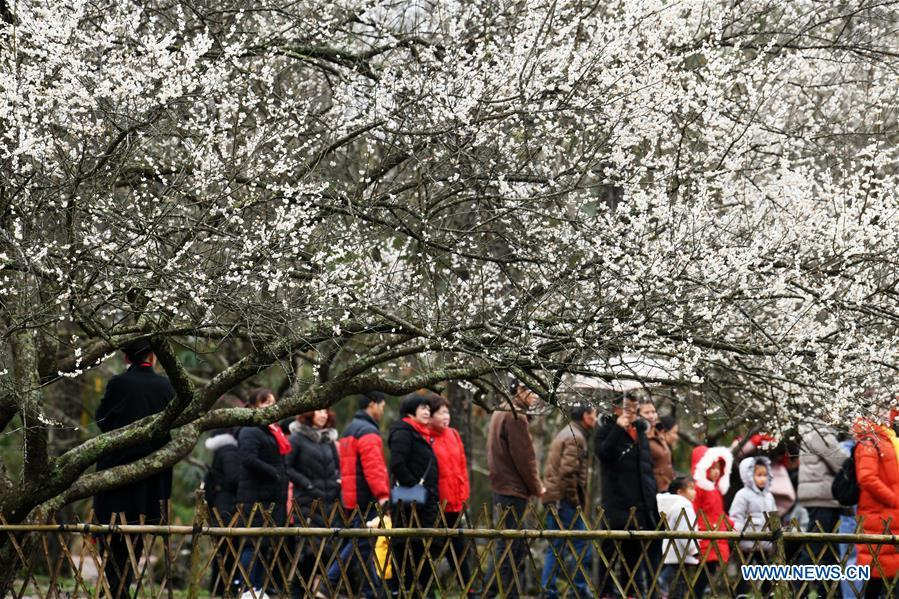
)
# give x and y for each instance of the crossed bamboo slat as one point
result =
(217, 552)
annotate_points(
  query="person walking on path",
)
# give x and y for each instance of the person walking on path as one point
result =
(313, 469)
(820, 458)
(412, 462)
(130, 396)
(452, 486)
(679, 556)
(877, 472)
(566, 499)
(711, 471)
(314, 466)
(662, 437)
(514, 479)
(363, 487)
(628, 485)
(220, 486)
(261, 491)
(750, 510)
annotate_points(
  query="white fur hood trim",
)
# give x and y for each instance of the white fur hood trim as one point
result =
(297, 428)
(712, 455)
(219, 441)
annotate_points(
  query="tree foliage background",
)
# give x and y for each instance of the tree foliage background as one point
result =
(395, 194)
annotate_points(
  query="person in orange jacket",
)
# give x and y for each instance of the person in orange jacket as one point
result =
(877, 472)
(711, 468)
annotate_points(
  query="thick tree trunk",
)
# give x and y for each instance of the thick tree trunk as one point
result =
(460, 416)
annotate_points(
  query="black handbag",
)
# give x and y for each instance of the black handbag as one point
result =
(414, 494)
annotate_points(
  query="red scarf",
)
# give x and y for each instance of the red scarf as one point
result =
(423, 429)
(278, 434)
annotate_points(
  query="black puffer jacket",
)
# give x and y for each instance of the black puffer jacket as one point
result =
(313, 465)
(410, 457)
(223, 475)
(263, 477)
(627, 479)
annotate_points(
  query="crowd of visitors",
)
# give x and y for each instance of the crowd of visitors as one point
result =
(258, 471)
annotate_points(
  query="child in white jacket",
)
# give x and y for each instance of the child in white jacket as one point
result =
(750, 510)
(752, 504)
(676, 506)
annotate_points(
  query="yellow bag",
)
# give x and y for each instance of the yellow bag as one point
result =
(382, 551)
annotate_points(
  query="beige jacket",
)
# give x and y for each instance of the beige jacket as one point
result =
(565, 473)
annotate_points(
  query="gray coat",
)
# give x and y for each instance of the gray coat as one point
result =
(751, 504)
(820, 458)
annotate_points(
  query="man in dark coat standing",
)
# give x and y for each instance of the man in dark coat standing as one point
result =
(628, 482)
(135, 394)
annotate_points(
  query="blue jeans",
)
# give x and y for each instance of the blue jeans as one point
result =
(347, 557)
(559, 551)
(849, 589)
(251, 566)
(665, 578)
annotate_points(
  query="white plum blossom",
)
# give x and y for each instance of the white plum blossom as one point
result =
(485, 185)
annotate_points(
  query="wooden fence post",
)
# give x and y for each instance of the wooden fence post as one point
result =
(196, 561)
(781, 587)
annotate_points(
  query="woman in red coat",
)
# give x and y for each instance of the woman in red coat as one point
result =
(877, 471)
(711, 471)
(452, 484)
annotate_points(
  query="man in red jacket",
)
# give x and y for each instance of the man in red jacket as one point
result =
(363, 483)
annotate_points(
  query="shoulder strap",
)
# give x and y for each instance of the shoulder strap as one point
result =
(428, 469)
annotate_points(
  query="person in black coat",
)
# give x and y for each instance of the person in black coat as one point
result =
(628, 483)
(412, 462)
(220, 486)
(313, 468)
(262, 488)
(135, 394)
(313, 465)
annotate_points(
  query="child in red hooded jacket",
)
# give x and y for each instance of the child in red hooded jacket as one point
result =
(711, 471)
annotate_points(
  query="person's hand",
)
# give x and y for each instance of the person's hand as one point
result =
(382, 501)
(624, 420)
(542, 490)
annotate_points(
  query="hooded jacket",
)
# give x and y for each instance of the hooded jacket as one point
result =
(452, 469)
(223, 475)
(510, 455)
(820, 458)
(312, 465)
(877, 471)
(627, 480)
(363, 472)
(680, 515)
(565, 472)
(751, 505)
(709, 501)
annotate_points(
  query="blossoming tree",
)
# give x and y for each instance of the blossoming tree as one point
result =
(483, 185)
